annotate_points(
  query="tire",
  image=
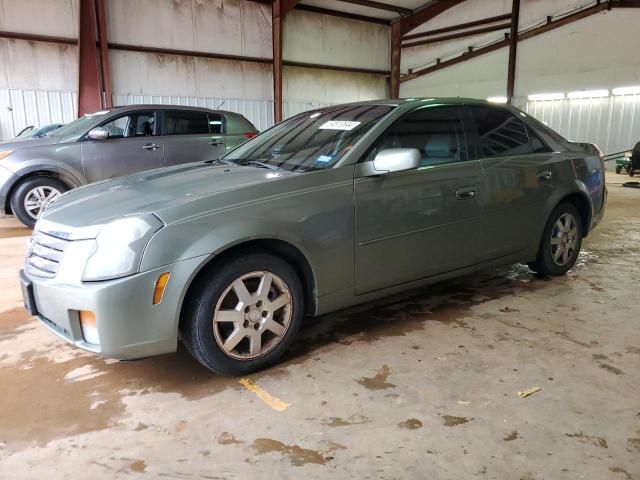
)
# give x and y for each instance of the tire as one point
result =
(618, 169)
(34, 192)
(631, 172)
(552, 259)
(220, 330)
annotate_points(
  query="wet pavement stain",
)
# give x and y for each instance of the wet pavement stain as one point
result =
(12, 232)
(138, 466)
(611, 369)
(635, 350)
(297, 455)
(634, 442)
(226, 438)
(622, 471)
(594, 440)
(451, 421)
(512, 436)
(356, 419)
(411, 424)
(377, 382)
(13, 321)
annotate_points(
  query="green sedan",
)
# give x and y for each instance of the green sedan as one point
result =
(328, 209)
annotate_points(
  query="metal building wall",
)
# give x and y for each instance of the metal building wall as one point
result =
(613, 122)
(22, 108)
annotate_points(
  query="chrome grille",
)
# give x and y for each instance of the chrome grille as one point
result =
(45, 254)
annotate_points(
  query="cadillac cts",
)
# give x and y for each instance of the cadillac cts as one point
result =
(330, 208)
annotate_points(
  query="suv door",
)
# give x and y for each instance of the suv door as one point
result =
(519, 176)
(192, 136)
(419, 223)
(133, 145)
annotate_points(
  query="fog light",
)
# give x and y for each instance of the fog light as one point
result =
(89, 327)
(161, 284)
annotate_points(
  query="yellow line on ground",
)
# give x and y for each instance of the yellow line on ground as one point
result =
(263, 395)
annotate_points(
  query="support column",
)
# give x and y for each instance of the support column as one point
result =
(396, 44)
(103, 39)
(89, 91)
(513, 47)
(276, 15)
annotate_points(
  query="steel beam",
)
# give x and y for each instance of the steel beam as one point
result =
(394, 80)
(513, 48)
(454, 36)
(380, 6)
(336, 13)
(103, 42)
(459, 26)
(89, 89)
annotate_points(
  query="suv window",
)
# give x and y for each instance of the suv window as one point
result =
(436, 131)
(134, 124)
(180, 122)
(537, 145)
(500, 133)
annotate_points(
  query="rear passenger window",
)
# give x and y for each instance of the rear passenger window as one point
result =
(435, 131)
(537, 145)
(500, 133)
(187, 123)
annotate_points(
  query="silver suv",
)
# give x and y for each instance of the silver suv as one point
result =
(108, 144)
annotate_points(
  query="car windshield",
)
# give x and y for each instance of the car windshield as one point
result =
(314, 140)
(73, 130)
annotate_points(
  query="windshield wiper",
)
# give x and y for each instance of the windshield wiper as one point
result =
(255, 163)
(220, 160)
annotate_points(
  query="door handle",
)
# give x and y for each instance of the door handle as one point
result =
(151, 146)
(465, 193)
(216, 142)
(544, 176)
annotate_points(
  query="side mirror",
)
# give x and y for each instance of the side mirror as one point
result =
(98, 133)
(396, 160)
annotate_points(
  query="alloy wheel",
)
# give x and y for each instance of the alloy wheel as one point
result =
(564, 239)
(252, 315)
(37, 199)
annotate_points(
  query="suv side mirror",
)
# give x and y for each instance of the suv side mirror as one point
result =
(98, 133)
(396, 160)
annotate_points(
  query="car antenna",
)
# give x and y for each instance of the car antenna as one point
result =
(223, 102)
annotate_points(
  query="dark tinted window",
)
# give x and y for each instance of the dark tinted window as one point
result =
(134, 124)
(435, 131)
(186, 123)
(537, 145)
(500, 132)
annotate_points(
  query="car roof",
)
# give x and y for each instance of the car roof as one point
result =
(158, 106)
(416, 101)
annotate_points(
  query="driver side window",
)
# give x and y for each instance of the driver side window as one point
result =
(134, 124)
(435, 131)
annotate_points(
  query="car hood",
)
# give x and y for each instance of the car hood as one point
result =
(27, 143)
(87, 208)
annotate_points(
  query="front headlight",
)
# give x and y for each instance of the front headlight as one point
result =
(5, 153)
(119, 247)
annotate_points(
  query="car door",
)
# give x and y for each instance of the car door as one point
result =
(423, 222)
(519, 176)
(192, 136)
(133, 146)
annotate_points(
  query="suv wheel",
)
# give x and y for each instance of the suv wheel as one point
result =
(33, 195)
(243, 316)
(561, 242)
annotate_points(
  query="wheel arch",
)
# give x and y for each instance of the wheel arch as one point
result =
(280, 248)
(583, 204)
(65, 177)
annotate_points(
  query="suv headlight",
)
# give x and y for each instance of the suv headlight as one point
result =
(119, 247)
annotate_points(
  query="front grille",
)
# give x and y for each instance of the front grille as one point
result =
(45, 254)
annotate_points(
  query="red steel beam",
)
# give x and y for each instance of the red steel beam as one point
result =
(103, 41)
(394, 80)
(428, 12)
(459, 26)
(89, 91)
(380, 6)
(453, 36)
(513, 47)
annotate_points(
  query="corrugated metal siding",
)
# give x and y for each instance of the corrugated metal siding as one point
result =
(613, 123)
(22, 108)
(259, 112)
(289, 109)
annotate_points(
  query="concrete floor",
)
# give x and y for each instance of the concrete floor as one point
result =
(420, 386)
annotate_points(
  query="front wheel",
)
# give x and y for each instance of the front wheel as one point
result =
(561, 242)
(243, 315)
(33, 195)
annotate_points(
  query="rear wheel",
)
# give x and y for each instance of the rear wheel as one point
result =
(33, 195)
(618, 168)
(561, 242)
(243, 316)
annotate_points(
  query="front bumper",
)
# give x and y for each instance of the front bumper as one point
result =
(128, 324)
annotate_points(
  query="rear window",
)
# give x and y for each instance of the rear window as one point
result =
(500, 133)
(186, 123)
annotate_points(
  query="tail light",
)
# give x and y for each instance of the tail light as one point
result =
(249, 134)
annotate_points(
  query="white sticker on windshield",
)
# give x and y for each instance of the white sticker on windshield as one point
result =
(339, 125)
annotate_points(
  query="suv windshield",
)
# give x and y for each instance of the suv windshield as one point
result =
(73, 130)
(314, 140)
